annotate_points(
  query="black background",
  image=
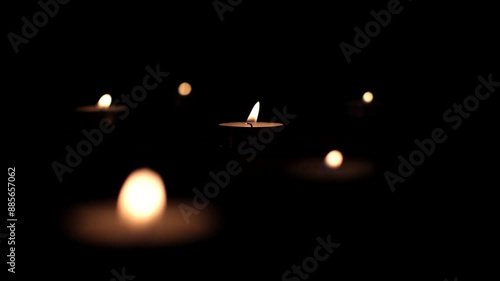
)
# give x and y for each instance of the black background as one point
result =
(437, 224)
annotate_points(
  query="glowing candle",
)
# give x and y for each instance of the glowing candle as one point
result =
(252, 121)
(364, 107)
(334, 167)
(235, 133)
(140, 217)
(102, 105)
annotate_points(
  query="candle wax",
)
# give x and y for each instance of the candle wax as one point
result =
(251, 124)
(315, 169)
(98, 223)
(94, 108)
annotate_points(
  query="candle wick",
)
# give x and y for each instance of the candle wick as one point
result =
(251, 125)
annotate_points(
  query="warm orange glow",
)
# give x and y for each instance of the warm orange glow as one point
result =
(334, 159)
(368, 97)
(142, 199)
(184, 89)
(104, 101)
(254, 113)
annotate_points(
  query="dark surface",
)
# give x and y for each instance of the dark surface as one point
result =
(437, 224)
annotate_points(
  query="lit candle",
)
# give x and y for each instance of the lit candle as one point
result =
(364, 107)
(184, 89)
(334, 167)
(252, 121)
(182, 99)
(367, 97)
(142, 200)
(140, 217)
(102, 105)
(236, 132)
(91, 116)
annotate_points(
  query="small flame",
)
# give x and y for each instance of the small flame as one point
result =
(334, 159)
(254, 113)
(104, 101)
(142, 199)
(368, 97)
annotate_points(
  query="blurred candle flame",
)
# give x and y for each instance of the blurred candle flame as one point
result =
(368, 97)
(184, 89)
(142, 199)
(334, 159)
(104, 101)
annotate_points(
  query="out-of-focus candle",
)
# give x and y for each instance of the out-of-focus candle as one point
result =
(140, 217)
(102, 105)
(183, 97)
(366, 106)
(184, 89)
(92, 116)
(142, 200)
(367, 97)
(334, 159)
(334, 167)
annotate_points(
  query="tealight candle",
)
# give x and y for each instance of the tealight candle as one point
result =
(238, 131)
(333, 167)
(364, 107)
(183, 97)
(140, 217)
(90, 116)
(252, 121)
(103, 105)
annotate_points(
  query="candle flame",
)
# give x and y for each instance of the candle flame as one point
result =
(334, 159)
(142, 199)
(368, 97)
(254, 113)
(184, 89)
(104, 101)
